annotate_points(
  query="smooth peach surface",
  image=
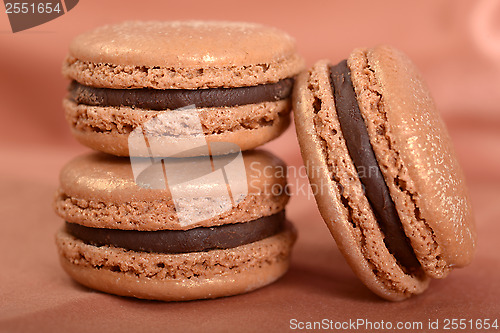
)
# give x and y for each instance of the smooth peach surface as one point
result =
(455, 44)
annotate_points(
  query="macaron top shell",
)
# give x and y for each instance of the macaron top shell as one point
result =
(188, 44)
(106, 178)
(418, 159)
(206, 54)
(100, 191)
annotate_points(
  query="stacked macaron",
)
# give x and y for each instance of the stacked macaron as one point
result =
(170, 222)
(238, 75)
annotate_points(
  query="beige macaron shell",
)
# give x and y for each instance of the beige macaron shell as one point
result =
(189, 54)
(422, 143)
(107, 129)
(362, 245)
(99, 190)
(177, 277)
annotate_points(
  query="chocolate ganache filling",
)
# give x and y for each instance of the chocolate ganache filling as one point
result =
(182, 241)
(155, 99)
(358, 144)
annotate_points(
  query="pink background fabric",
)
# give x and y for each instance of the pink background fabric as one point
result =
(456, 45)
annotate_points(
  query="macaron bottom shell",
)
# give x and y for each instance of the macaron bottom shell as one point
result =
(177, 277)
(107, 129)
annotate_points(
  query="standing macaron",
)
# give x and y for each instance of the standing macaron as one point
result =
(389, 186)
(238, 75)
(124, 235)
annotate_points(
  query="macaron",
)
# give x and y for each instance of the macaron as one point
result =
(383, 170)
(129, 235)
(238, 76)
